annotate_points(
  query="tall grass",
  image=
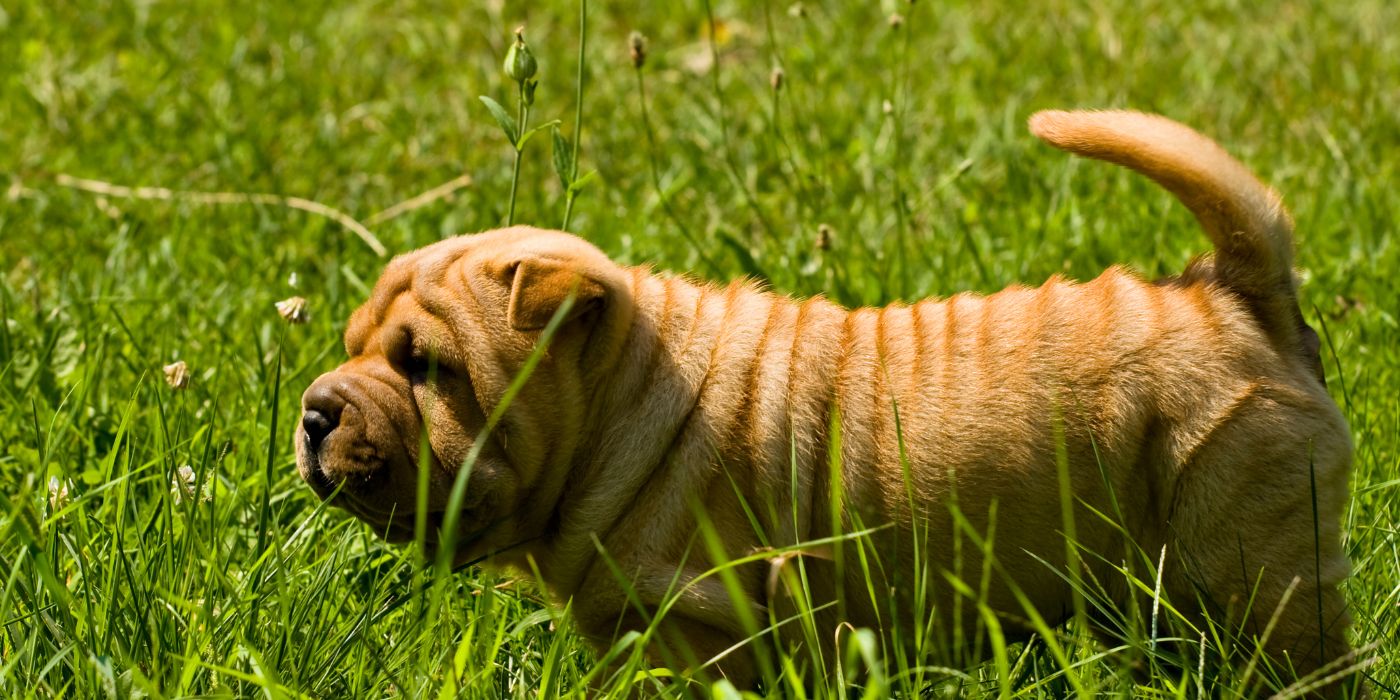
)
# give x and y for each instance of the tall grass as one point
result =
(158, 542)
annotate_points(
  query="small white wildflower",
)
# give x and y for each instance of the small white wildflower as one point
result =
(887, 107)
(177, 375)
(293, 310)
(182, 485)
(58, 493)
(292, 280)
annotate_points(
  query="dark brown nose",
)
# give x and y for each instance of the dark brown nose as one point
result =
(317, 426)
(321, 408)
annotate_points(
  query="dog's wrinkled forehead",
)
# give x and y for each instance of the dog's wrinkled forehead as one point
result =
(424, 274)
(428, 265)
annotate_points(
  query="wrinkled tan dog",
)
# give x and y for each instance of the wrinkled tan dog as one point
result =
(1190, 412)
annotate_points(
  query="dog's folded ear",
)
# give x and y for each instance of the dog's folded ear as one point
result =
(540, 285)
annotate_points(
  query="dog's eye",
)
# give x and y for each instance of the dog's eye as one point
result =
(411, 357)
(423, 366)
(418, 364)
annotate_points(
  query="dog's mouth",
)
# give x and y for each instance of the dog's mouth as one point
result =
(312, 472)
(377, 484)
(397, 524)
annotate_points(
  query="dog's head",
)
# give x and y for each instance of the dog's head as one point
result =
(432, 355)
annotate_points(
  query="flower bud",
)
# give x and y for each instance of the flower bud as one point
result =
(775, 79)
(520, 64)
(896, 21)
(824, 236)
(637, 49)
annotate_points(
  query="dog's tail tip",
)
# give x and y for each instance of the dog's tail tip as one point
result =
(1047, 125)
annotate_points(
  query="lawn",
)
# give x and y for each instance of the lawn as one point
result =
(158, 542)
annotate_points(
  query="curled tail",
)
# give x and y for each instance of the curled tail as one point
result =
(1245, 219)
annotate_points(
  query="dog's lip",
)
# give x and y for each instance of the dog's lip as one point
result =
(319, 481)
(312, 473)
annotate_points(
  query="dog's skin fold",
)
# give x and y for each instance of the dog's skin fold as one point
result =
(1191, 413)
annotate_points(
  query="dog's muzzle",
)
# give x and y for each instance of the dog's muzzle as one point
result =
(321, 410)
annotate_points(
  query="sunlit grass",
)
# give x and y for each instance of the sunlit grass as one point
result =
(121, 575)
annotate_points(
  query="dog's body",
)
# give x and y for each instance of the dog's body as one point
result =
(1187, 414)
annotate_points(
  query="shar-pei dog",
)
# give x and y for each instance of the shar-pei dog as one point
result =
(974, 467)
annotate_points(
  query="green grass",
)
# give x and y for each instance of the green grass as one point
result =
(907, 143)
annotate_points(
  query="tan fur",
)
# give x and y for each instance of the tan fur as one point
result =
(1190, 410)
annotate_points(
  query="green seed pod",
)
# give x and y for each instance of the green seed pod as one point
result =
(520, 64)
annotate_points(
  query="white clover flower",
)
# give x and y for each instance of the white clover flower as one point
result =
(182, 486)
(58, 493)
(293, 310)
(177, 375)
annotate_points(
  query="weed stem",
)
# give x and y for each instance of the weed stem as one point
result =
(523, 112)
(571, 194)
